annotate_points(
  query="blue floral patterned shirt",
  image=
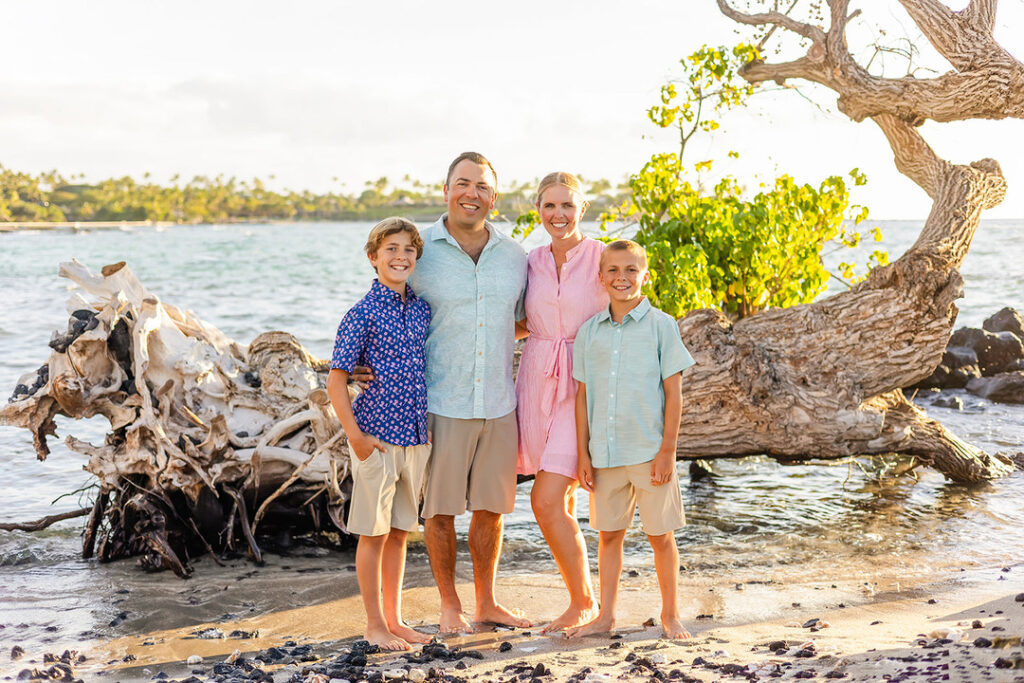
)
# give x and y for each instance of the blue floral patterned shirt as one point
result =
(389, 335)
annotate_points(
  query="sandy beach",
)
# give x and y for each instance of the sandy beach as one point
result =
(963, 630)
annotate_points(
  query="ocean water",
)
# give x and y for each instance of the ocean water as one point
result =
(755, 520)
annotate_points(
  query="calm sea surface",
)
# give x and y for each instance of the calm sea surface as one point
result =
(755, 520)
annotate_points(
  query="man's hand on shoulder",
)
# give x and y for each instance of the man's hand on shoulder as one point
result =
(362, 375)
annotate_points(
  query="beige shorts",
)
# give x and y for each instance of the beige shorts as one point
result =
(618, 491)
(386, 489)
(474, 465)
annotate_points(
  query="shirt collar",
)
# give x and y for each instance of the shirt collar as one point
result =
(637, 313)
(379, 291)
(439, 231)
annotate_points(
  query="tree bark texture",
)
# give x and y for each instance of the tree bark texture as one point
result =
(823, 380)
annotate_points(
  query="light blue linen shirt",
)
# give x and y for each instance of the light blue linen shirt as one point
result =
(474, 308)
(623, 365)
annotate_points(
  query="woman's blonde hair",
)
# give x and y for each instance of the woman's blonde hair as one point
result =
(561, 178)
(390, 226)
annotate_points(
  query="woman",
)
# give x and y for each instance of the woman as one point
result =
(563, 291)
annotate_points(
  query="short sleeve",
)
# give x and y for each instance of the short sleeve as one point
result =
(579, 363)
(671, 351)
(350, 342)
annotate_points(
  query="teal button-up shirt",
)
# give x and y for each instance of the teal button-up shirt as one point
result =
(623, 365)
(472, 326)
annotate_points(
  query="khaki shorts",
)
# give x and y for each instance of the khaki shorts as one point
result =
(386, 489)
(474, 465)
(618, 491)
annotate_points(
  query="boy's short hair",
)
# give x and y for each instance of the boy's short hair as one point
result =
(625, 245)
(476, 158)
(390, 226)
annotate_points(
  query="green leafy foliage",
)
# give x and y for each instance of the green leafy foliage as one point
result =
(724, 248)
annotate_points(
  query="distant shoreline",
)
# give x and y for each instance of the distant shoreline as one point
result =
(15, 226)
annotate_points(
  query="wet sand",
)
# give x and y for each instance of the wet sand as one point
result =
(757, 629)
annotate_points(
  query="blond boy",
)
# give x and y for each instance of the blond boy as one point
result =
(628, 361)
(387, 428)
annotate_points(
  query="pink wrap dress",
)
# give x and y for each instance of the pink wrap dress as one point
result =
(545, 389)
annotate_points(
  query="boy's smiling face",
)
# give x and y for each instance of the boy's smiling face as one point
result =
(623, 274)
(395, 260)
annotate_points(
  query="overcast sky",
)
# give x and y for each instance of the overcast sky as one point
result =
(313, 91)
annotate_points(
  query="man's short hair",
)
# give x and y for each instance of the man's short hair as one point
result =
(476, 158)
(391, 226)
(625, 245)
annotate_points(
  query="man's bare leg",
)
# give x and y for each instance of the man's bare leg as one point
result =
(553, 507)
(609, 563)
(485, 530)
(439, 534)
(368, 573)
(392, 569)
(666, 564)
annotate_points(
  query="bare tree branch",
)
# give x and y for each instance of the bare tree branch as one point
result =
(39, 524)
(956, 35)
(773, 19)
(913, 156)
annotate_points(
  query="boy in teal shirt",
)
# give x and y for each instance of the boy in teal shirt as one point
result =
(628, 361)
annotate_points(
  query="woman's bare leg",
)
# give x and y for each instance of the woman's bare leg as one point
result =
(554, 507)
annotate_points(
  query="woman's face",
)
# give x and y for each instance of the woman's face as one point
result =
(561, 211)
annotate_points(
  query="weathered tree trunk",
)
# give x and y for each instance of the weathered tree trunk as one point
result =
(822, 380)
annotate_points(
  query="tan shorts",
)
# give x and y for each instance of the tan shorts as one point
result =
(474, 465)
(386, 490)
(618, 491)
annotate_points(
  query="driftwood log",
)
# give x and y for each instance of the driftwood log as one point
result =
(210, 443)
(823, 380)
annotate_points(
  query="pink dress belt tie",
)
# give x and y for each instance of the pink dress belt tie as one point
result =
(557, 369)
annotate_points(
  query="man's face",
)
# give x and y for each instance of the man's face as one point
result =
(623, 274)
(470, 194)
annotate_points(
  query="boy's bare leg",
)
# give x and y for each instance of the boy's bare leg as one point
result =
(439, 534)
(609, 567)
(485, 531)
(666, 564)
(553, 506)
(392, 575)
(368, 573)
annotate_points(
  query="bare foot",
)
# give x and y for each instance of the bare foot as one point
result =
(385, 639)
(571, 618)
(407, 634)
(497, 614)
(674, 629)
(454, 621)
(603, 624)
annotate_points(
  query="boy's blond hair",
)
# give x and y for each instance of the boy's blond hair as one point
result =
(390, 226)
(625, 245)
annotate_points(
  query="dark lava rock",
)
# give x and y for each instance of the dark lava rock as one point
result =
(958, 365)
(811, 622)
(1006, 320)
(982, 642)
(977, 624)
(953, 402)
(541, 670)
(1004, 663)
(1006, 387)
(807, 673)
(932, 601)
(733, 669)
(778, 645)
(835, 674)
(505, 646)
(1019, 597)
(997, 352)
(17, 652)
(805, 653)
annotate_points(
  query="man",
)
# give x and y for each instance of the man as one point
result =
(473, 277)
